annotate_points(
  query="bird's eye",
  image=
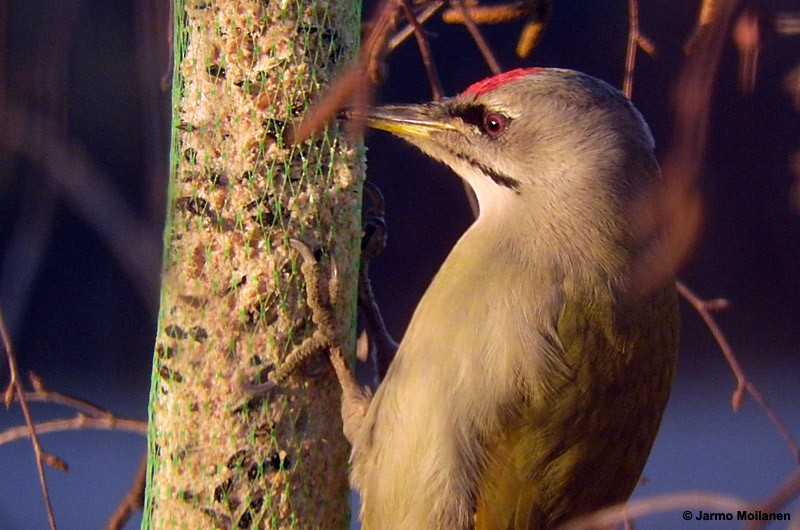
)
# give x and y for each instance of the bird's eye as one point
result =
(494, 124)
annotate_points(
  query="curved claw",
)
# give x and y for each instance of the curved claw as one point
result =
(374, 240)
(308, 256)
(259, 389)
(377, 207)
(303, 249)
(334, 268)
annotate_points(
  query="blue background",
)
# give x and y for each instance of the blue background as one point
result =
(87, 329)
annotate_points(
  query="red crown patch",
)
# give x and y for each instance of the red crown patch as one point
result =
(490, 83)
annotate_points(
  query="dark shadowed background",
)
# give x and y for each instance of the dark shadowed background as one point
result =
(81, 211)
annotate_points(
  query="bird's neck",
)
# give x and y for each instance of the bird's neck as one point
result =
(580, 255)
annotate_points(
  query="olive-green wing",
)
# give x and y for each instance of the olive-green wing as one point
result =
(585, 448)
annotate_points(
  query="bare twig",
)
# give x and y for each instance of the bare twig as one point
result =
(357, 82)
(675, 207)
(746, 37)
(743, 384)
(77, 423)
(710, 12)
(338, 95)
(536, 12)
(483, 46)
(533, 29)
(380, 27)
(90, 416)
(636, 40)
(787, 23)
(493, 14)
(780, 497)
(424, 50)
(44, 395)
(133, 500)
(13, 390)
(663, 503)
(430, 9)
(630, 52)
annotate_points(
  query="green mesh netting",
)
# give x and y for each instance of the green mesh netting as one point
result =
(232, 299)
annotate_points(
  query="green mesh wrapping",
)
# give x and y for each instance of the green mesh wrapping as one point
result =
(232, 299)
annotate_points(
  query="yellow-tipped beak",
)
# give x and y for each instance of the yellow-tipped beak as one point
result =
(403, 120)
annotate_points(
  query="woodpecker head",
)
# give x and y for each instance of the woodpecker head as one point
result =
(556, 153)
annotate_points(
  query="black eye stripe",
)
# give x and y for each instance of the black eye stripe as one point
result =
(471, 114)
(497, 177)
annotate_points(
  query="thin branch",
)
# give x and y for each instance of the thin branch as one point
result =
(710, 12)
(422, 17)
(355, 83)
(341, 91)
(424, 50)
(133, 500)
(90, 416)
(14, 389)
(630, 51)
(79, 422)
(636, 40)
(483, 46)
(375, 45)
(787, 24)
(536, 12)
(663, 503)
(534, 28)
(743, 384)
(675, 206)
(492, 14)
(746, 37)
(42, 394)
(780, 497)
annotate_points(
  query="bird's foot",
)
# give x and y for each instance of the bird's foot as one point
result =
(376, 343)
(321, 301)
